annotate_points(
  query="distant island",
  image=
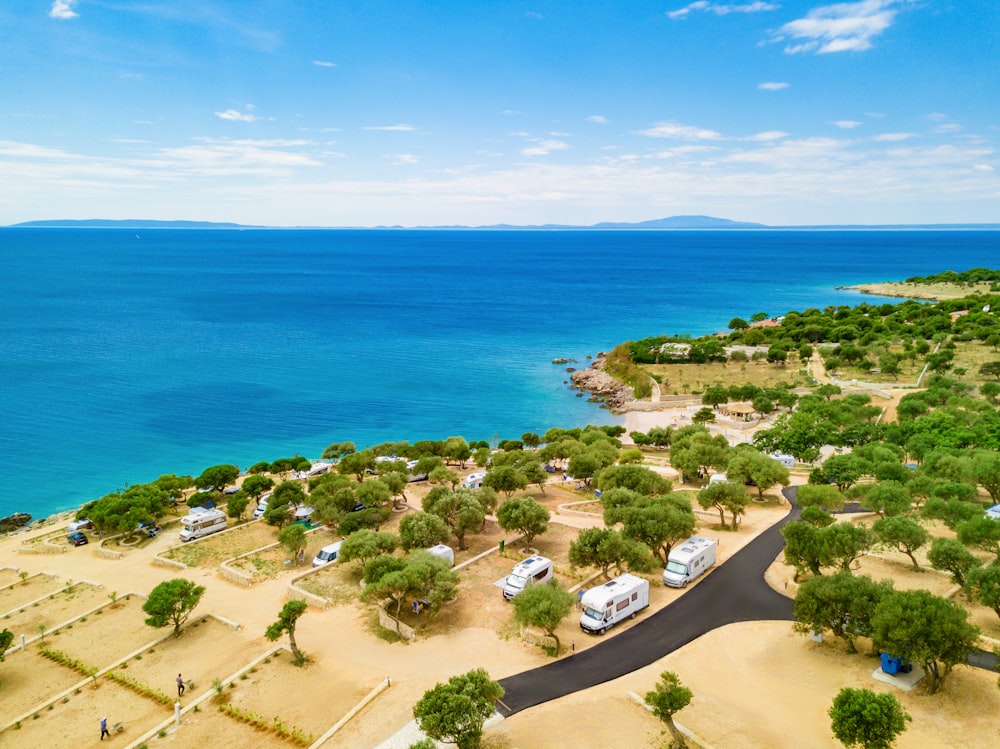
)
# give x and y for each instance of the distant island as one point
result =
(704, 223)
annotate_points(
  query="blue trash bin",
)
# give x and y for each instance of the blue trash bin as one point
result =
(890, 665)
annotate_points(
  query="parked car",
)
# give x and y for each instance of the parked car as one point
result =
(79, 525)
(77, 539)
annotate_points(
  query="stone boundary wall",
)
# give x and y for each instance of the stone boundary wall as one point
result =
(389, 622)
(162, 561)
(294, 591)
(239, 577)
(381, 687)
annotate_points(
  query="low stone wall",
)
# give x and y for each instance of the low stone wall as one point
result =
(382, 686)
(295, 592)
(160, 561)
(388, 621)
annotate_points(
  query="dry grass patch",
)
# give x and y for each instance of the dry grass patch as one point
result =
(676, 379)
(213, 550)
(108, 636)
(63, 606)
(29, 679)
(29, 590)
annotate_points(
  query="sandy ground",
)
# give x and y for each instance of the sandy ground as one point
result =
(755, 685)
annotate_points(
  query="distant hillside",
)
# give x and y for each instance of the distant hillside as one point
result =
(683, 222)
(100, 223)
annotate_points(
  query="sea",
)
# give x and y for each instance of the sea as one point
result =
(127, 354)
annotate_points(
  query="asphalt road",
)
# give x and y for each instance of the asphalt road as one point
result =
(733, 592)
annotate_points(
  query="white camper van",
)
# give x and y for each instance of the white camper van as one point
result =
(717, 478)
(531, 571)
(261, 507)
(474, 480)
(443, 551)
(688, 560)
(605, 606)
(328, 553)
(788, 461)
(199, 524)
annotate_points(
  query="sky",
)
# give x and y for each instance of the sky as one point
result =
(436, 112)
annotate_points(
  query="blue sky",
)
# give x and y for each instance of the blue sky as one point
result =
(303, 112)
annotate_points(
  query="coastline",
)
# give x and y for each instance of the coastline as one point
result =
(937, 292)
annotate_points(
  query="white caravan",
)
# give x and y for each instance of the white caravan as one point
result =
(474, 481)
(261, 507)
(531, 571)
(689, 560)
(788, 461)
(608, 604)
(443, 551)
(199, 524)
(328, 553)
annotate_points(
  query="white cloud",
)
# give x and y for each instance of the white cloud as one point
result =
(324, 63)
(557, 134)
(235, 116)
(404, 158)
(767, 136)
(678, 131)
(720, 9)
(598, 119)
(846, 124)
(842, 27)
(390, 128)
(63, 10)
(544, 147)
(982, 168)
(772, 86)
(892, 137)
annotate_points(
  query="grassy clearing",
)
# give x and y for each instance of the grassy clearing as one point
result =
(678, 379)
(211, 551)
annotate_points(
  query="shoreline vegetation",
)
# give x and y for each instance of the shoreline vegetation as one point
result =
(623, 382)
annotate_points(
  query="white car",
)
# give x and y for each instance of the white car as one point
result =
(79, 525)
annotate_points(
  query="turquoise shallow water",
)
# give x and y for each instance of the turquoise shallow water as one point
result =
(127, 355)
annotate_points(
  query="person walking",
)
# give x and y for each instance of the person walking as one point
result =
(104, 728)
(180, 686)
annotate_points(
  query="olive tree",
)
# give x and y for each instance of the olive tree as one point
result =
(171, 602)
(863, 718)
(455, 712)
(667, 699)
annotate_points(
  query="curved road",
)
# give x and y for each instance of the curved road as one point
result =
(734, 592)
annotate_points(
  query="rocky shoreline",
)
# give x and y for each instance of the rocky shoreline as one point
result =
(603, 387)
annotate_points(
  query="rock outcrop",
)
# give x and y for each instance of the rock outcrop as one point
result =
(11, 523)
(602, 385)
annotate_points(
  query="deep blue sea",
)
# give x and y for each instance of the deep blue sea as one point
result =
(126, 354)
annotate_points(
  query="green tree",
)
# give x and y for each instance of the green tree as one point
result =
(667, 699)
(420, 530)
(826, 496)
(703, 416)
(659, 522)
(366, 544)
(171, 602)
(984, 586)
(725, 496)
(842, 603)
(903, 534)
(637, 478)
(543, 606)
(256, 484)
(525, 516)
(844, 543)
(887, 498)
(293, 538)
(217, 477)
(986, 471)
(926, 629)
(455, 712)
(863, 718)
(6, 638)
(461, 510)
(236, 505)
(288, 617)
(981, 533)
(764, 471)
(506, 479)
(603, 547)
(357, 464)
(952, 556)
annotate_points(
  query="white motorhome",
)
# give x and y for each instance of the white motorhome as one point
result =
(531, 571)
(717, 478)
(261, 507)
(788, 461)
(443, 551)
(993, 513)
(474, 480)
(328, 553)
(199, 524)
(689, 560)
(608, 604)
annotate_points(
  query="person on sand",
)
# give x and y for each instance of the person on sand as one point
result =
(104, 728)
(180, 686)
